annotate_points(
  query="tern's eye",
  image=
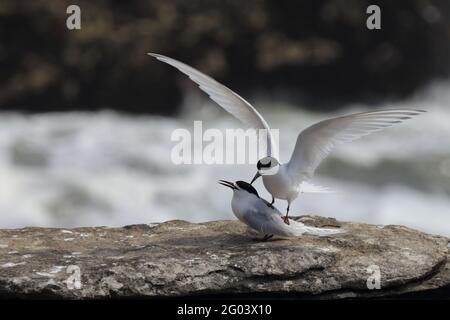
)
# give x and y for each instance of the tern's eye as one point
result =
(261, 165)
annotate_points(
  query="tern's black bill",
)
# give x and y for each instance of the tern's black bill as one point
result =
(257, 175)
(227, 184)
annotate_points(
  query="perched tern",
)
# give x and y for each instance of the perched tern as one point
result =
(283, 180)
(255, 212)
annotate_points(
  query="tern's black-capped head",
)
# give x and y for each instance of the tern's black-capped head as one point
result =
(247, 187)
(267, 163)
(266, 166)
(239, 185)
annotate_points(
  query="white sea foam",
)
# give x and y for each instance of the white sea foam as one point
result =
(103, 168)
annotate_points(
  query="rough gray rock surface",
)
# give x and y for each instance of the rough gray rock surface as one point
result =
(222, 258)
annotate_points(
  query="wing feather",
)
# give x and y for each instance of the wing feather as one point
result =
(224, 97)
(317, 141)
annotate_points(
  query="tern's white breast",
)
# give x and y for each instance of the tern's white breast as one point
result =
(281, 185)
(242, 203)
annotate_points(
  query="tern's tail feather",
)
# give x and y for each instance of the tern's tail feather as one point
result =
(299, 228)
(307, 187)
(321, 232)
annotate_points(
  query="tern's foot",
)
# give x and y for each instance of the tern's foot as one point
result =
(267, 237)
(285, 219)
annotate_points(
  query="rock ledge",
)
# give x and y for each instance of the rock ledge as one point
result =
(221, 258)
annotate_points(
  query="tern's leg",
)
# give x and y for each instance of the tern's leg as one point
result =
(271, 204)
(267, 237)
(286, 217)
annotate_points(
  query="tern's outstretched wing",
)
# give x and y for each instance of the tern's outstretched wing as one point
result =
(224, 97)
(316, 142)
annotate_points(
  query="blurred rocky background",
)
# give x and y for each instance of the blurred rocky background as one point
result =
(315, 51)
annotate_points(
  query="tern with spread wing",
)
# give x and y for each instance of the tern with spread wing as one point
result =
(284, 180)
